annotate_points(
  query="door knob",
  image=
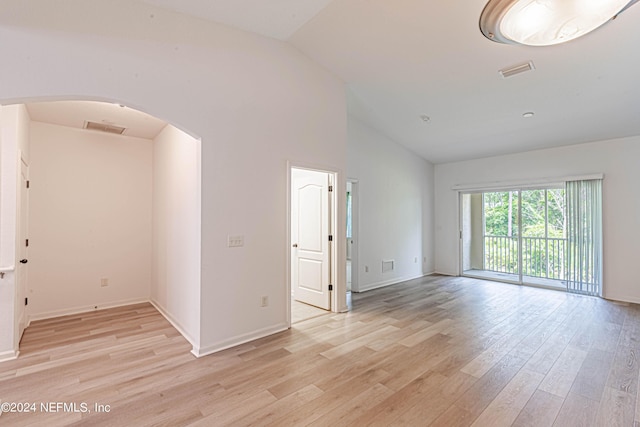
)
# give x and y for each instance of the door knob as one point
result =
(295, 245)
(24, 261)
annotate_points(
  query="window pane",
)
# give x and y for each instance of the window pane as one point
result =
(501, 213)
(501, 231)
(533, 213)
(556, 212)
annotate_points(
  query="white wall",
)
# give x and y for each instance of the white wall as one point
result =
(617, 159)
(90, 218)
(395, 207)
(175, 276)
(14, 138)
(256, 103)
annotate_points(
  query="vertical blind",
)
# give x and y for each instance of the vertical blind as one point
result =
(584, 236)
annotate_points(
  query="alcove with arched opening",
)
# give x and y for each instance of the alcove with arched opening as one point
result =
(108, 211)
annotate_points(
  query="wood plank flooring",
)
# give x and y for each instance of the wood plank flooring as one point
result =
(437, 351)
(301, 311)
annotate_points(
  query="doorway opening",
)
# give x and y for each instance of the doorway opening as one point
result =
(113, 213)
(312, 242)
(352, 237)
(22, 271)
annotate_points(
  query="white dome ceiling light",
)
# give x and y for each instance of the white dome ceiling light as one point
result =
(546, 22)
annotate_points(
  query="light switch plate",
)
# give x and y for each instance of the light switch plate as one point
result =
(235, 241)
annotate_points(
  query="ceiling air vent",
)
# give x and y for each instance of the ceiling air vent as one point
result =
(104, 127)
(517, 69)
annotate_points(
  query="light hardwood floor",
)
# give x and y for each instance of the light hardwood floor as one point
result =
(434, 351)
(301, 311)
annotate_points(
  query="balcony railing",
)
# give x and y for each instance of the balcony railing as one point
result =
(541, 257)
(501, 254)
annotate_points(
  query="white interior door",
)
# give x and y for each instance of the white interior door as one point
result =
(22, 249)
(310, 225)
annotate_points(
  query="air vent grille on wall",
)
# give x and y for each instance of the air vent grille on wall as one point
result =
(517, 69)
(388, 265)
(103, 127)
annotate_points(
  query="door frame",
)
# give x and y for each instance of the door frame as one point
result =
(355, 234)
(22, 272)
(337, 259)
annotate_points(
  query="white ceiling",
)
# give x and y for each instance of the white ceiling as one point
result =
(272, 18)
(75, 113)
(405, 58)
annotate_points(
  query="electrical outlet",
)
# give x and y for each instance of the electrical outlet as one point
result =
(366, 268)
(235, 241)
(265, 301)
(415, 259)
(104, 282)
(424, 260)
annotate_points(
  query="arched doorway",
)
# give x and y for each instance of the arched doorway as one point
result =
(114, 217)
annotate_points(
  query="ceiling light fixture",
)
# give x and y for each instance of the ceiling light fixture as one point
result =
(528, 114)
(425, 118)
(546, 22)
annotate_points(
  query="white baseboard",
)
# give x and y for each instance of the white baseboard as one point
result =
(445, 274)
(9, 355)
(240, 339)
(196, 351)
(622, 298)
(84, 309)
(174, 323)
(390, 282)
(122, 303)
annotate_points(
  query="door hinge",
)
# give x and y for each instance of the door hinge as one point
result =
(461, 234)
(27, 184)
(26, 301)
(26, 242)
(330, 287)
(330, 188)
(330, 238)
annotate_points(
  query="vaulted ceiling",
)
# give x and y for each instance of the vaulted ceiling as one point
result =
(407, 58)
(404, 59)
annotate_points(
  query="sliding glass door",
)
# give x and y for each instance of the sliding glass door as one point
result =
(501, 212)
(547, 236)
(544, 239)
(515, 235)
